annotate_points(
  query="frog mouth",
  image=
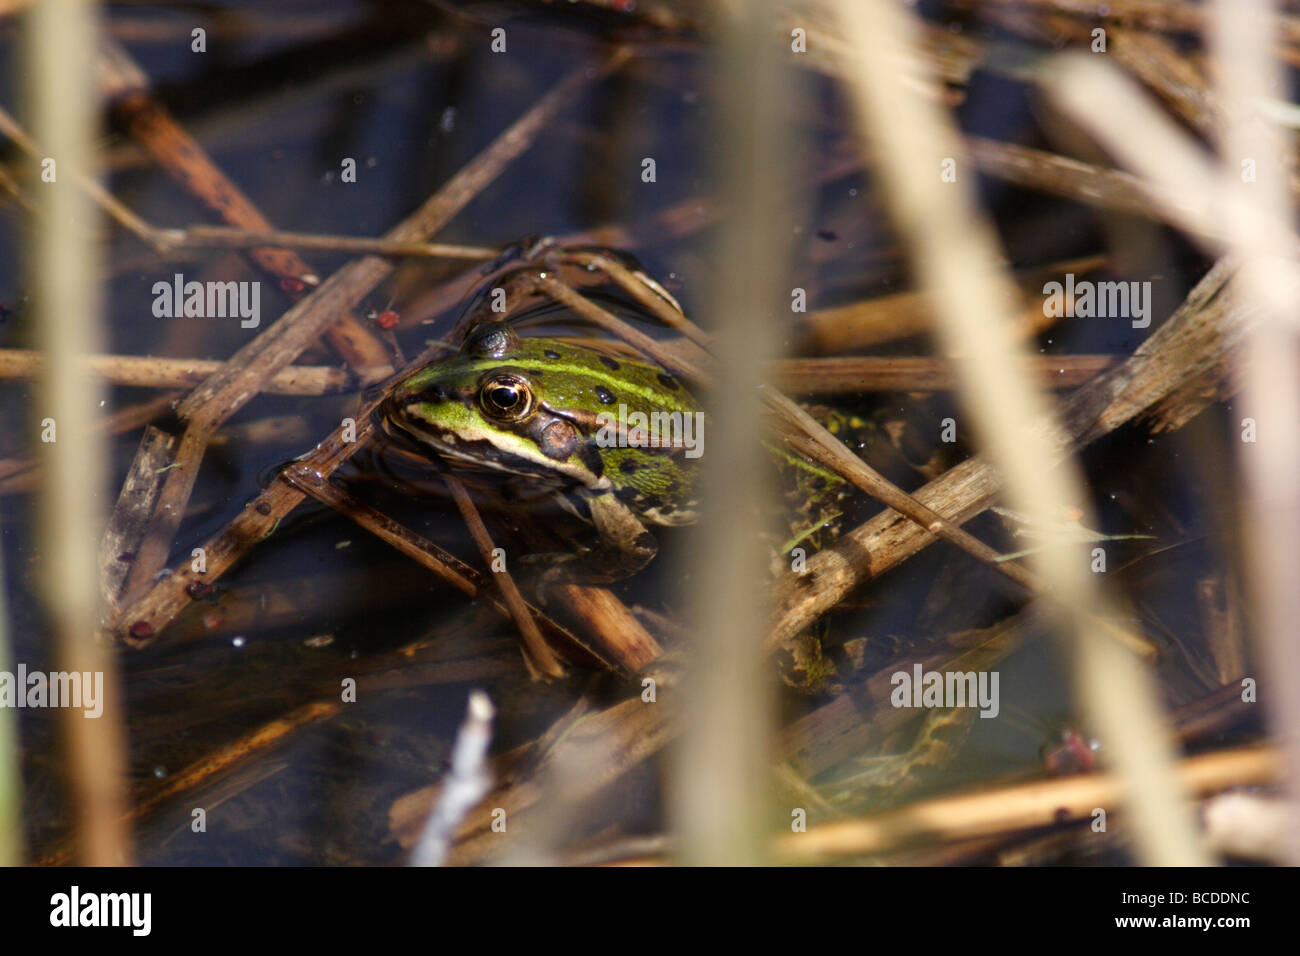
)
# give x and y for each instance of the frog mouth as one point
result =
(478, 456)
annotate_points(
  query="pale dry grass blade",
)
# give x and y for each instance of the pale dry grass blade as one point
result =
(66, 297)
(954, 256)
(1254, 175)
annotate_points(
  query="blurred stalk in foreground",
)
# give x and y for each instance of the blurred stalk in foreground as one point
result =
(60, 84)
(1258, 227)
(722, 778)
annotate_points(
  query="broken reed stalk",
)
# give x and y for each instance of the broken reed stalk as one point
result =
(65, 268)
(953, 251)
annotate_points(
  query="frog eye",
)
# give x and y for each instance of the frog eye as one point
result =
(506, 397)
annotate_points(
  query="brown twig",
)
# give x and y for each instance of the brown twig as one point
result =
(152, 372)
(857, 374)
(219, 237)
(130, 518)
(542, 663)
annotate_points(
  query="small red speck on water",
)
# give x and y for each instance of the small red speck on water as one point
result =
(292, 285)
(141, 629)
(1069, 753)
(211, 621)
(388, 319)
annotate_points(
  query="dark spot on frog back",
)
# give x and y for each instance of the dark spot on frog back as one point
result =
(609, 363)
(605, 396)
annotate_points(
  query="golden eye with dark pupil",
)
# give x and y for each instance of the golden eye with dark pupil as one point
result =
(506, 397)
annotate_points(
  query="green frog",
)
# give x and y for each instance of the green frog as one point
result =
(614, 441)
